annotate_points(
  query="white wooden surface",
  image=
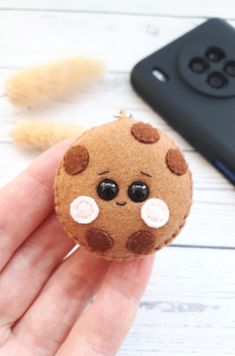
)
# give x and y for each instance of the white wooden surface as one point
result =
(189, 306)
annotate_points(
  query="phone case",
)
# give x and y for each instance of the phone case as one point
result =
(191, 83)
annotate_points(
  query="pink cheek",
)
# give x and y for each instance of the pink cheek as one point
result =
(152, 214)
(155, 213)
(84, 209)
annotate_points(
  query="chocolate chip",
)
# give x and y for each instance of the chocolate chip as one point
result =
(99, 240)
(145, 133)
(176, 162)
(76, 160)
(141, 242)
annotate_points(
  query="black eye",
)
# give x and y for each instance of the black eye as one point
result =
(107, 189)
(138, 192)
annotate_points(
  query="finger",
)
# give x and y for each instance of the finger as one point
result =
(27, 200)
(101, 330)
(61, 301)
(30, 267)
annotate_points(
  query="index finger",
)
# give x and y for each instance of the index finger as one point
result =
(27, 200)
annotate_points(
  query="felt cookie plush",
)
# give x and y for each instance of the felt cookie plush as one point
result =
(123, 189)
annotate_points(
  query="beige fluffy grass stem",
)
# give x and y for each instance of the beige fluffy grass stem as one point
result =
(42, 135)
(37, 86)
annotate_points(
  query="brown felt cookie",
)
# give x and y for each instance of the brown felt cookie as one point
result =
(123, 190)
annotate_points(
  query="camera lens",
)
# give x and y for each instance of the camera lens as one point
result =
(198, 65)
(217, 80)
(215, 54)
(230, 68)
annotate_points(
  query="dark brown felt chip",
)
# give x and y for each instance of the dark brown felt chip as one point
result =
(176, 162)
(141, 242)
(76, 160)
(99, 240)
(145, 133)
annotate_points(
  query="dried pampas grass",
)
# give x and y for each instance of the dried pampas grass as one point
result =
(42, 135)
(39, 85)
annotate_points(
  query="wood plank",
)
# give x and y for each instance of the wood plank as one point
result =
(122, 40)
(38, 37)
(188, 307)
(160, 7)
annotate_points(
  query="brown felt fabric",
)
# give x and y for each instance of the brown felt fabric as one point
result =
(113, 149)
(76, 160)
(99, 240)
(141, 242)
(145, 133)
(176, 162)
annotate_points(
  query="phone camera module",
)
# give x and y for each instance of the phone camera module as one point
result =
(217, 80)
(214, 54)
(230, 68)
(198, 65)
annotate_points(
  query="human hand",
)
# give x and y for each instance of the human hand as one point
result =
(44, 297)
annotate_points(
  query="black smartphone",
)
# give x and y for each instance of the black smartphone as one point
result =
(191, 83)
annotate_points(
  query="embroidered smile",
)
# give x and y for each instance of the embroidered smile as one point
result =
(121, 203)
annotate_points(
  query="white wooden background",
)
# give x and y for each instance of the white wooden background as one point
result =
(189, 306)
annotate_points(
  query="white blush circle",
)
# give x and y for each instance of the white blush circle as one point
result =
(84, 209)
(155, 213)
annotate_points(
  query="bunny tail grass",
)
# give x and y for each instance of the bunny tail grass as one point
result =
(42, 135)
(40, 85)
